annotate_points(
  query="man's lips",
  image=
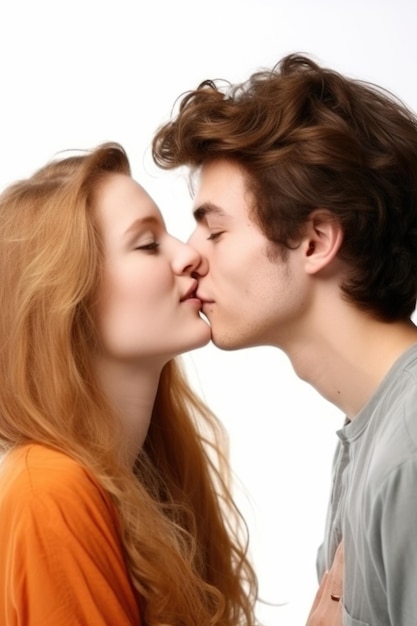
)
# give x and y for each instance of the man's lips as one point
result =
(203, 299)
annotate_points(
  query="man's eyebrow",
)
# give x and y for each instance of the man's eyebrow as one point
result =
(208, 208)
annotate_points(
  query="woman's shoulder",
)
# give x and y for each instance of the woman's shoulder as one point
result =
(59, 529)
(35, 472)
(36, 464)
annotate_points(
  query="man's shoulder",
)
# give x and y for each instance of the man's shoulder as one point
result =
(397, 394)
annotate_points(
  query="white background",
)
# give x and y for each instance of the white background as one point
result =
(75, 74)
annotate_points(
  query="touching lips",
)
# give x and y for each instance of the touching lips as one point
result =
(191, 295)
(203, 300)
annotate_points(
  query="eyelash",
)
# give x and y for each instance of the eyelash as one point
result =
(149, 247)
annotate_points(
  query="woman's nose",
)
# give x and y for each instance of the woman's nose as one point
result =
(188, 260)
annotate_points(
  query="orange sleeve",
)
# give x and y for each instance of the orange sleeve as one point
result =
(62, 561)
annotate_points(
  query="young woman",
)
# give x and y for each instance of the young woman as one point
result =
(115, 506)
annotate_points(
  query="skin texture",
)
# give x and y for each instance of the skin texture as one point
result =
(147, 273)
(250, 294)
(144, 313)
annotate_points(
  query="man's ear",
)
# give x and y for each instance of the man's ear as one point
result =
(322, 239)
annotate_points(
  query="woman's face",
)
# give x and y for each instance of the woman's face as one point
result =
(146, 304)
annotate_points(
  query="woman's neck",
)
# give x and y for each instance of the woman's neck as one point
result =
(131, 390)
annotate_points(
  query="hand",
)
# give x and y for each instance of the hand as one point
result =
(327, 609)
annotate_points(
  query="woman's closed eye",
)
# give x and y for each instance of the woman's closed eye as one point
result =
(151, 247)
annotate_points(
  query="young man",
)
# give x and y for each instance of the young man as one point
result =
(306, 210)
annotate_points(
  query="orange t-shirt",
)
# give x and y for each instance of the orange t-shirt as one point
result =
(61, 560)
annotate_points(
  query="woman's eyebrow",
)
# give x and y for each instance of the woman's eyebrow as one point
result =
(140, 222)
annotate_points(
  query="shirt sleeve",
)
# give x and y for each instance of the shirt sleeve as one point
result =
(393, 539)
(64, 561)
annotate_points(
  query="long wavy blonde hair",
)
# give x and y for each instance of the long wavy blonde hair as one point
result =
(184, 540)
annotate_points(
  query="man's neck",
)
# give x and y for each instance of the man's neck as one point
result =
(346, 357)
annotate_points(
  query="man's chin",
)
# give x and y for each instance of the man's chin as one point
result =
(226, 343)
(223, 339)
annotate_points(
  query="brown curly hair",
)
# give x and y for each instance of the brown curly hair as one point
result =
(307, 138)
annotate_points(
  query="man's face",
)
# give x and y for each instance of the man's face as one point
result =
(251, 295)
